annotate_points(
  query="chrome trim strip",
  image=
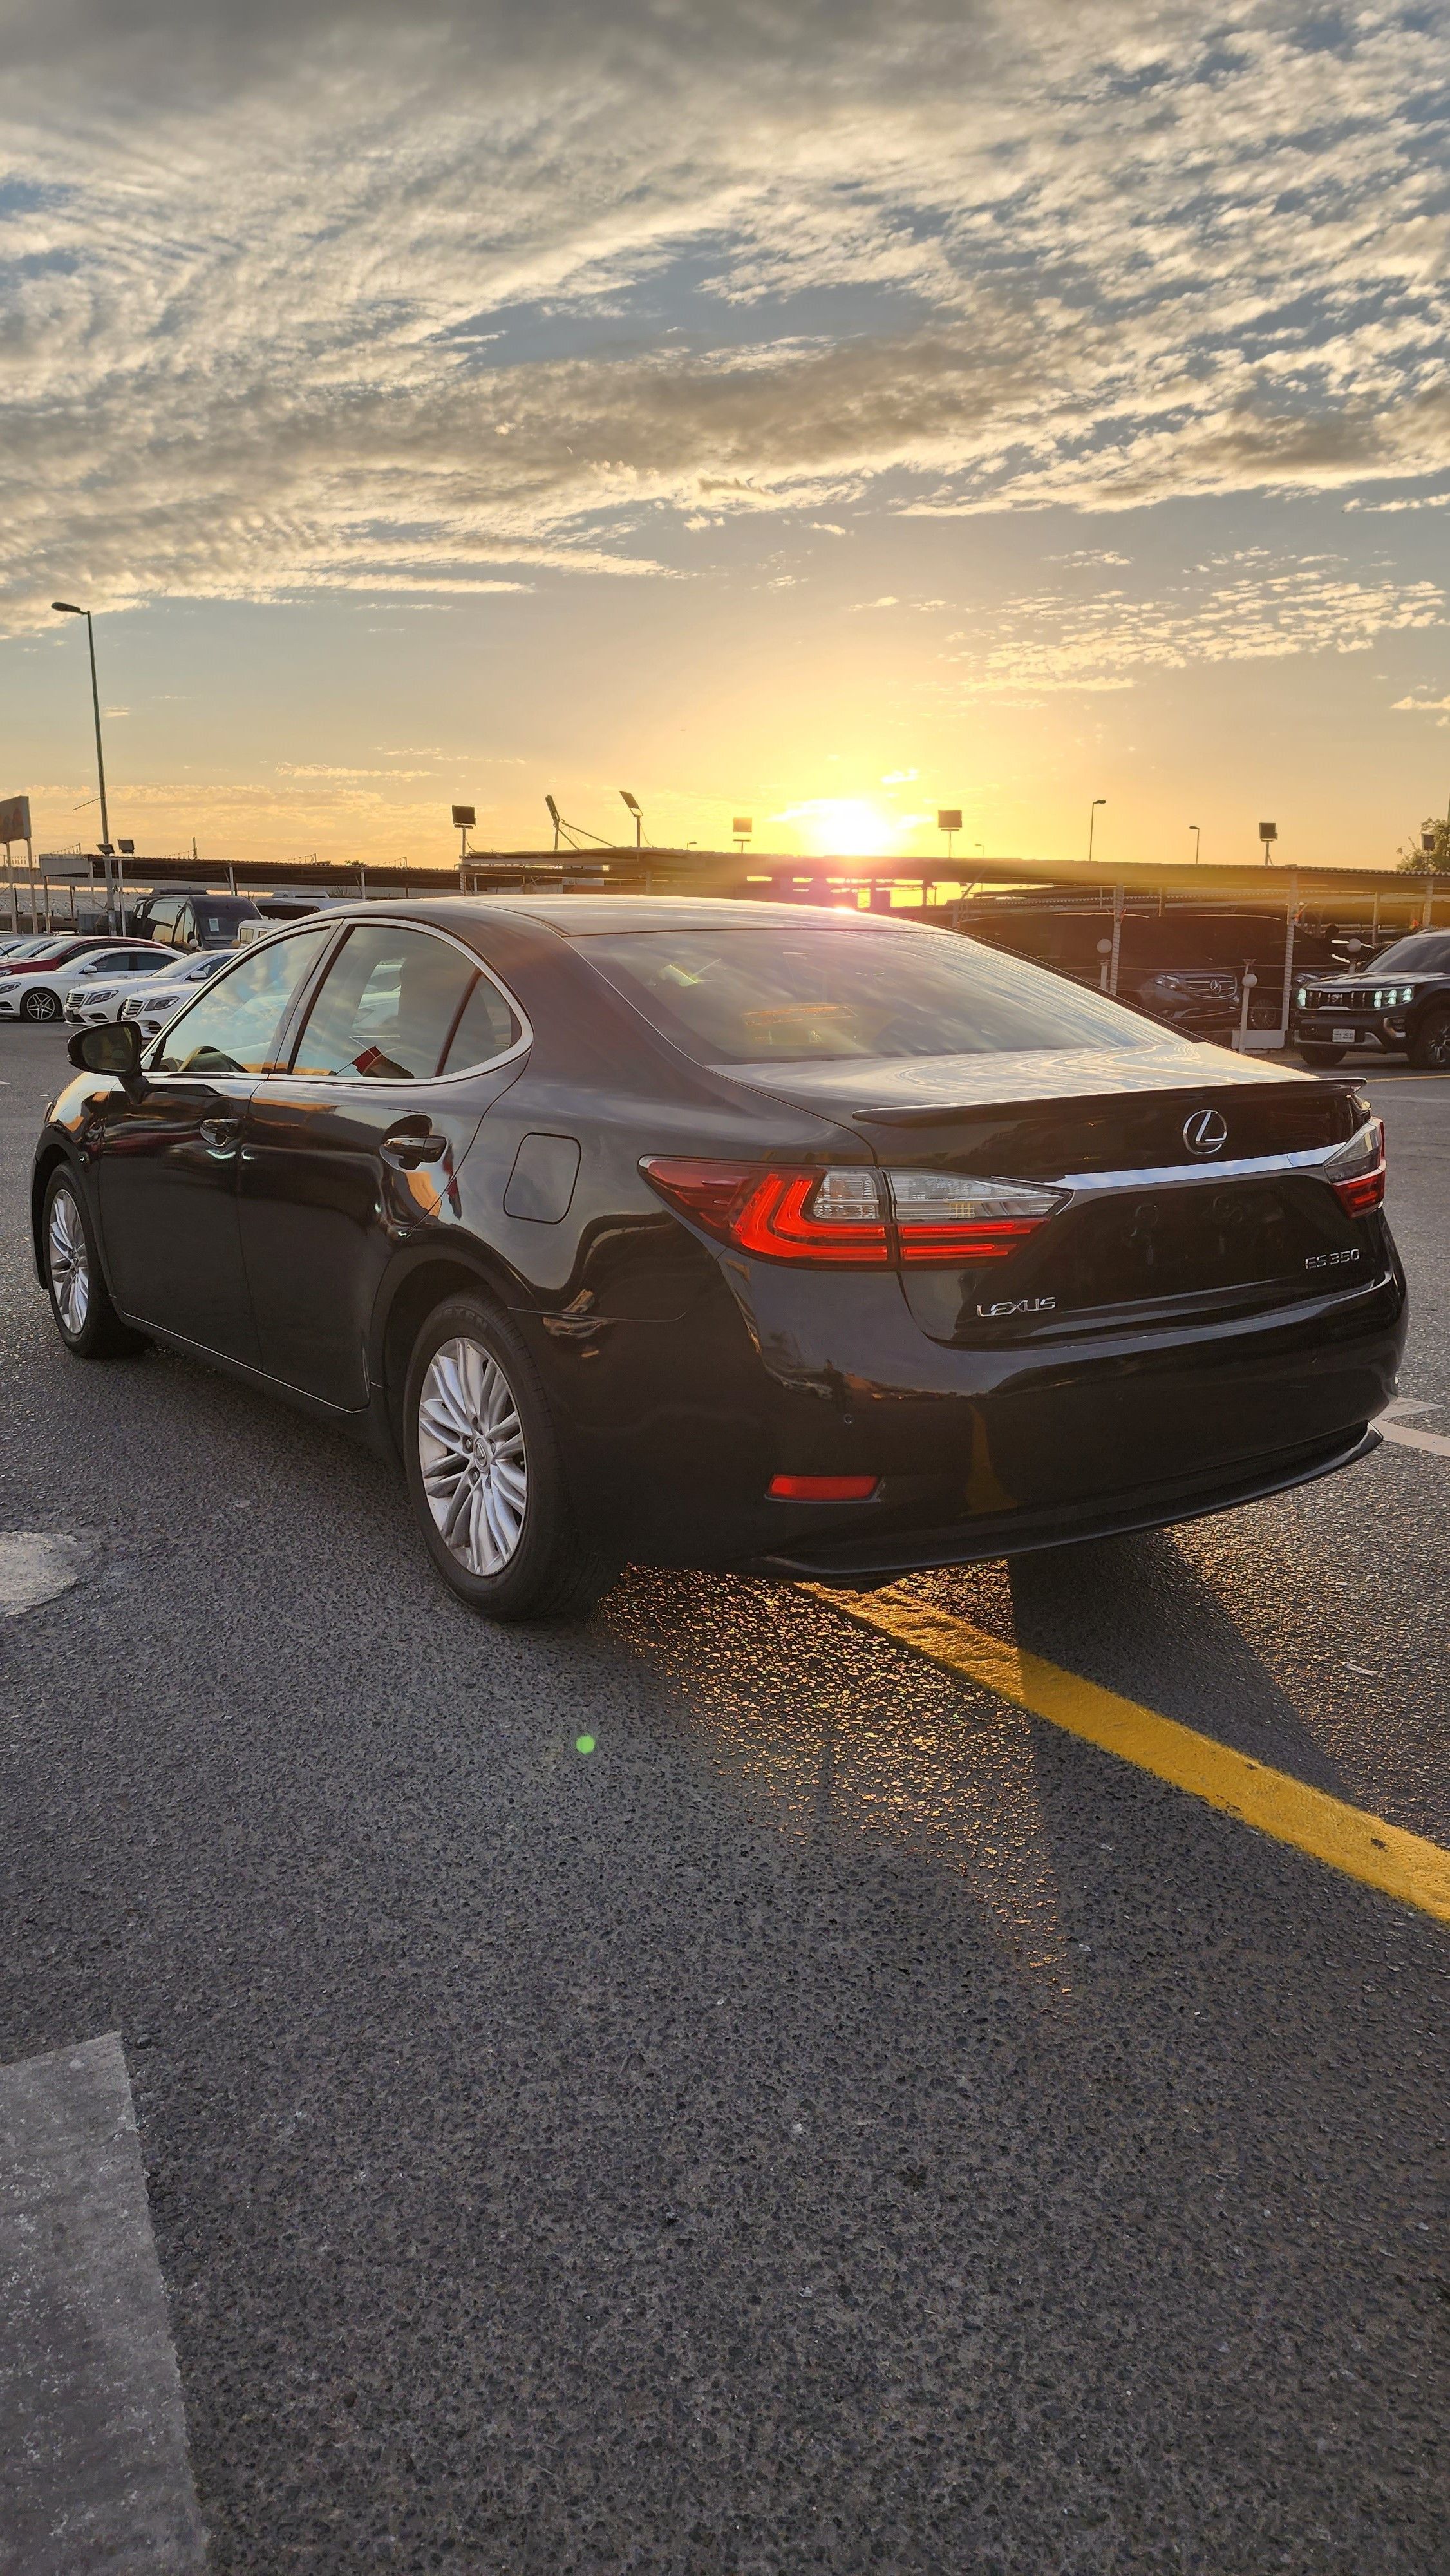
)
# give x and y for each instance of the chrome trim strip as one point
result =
(1161, 1175)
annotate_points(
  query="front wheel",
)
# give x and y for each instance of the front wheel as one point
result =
(40, 1006)
(1430, 1045)
(485, 1475)
(80, 1301)
(1322, 1059)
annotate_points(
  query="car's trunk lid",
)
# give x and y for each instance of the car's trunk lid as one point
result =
(1150, 1144)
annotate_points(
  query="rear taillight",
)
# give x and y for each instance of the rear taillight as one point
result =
(851, 1217)
(941, 1217)
(1356, 1174)
(833, 1218)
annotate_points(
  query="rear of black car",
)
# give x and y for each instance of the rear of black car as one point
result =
(1025, 1294)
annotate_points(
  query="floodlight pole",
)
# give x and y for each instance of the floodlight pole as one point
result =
(67, 608)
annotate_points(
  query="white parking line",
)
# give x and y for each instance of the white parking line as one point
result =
(1406, 1434)
(91, 2425)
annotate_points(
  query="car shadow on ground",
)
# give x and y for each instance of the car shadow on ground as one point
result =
(1137, 1616)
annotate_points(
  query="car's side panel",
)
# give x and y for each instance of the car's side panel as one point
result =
(323, 1212)
(166, 1164)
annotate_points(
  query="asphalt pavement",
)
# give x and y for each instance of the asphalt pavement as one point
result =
(841, 2122)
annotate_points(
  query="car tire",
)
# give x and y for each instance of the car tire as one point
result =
(80, 1301)
(1322, 1059)
(485, 1474)
(40, 1006)
(1430, 1045)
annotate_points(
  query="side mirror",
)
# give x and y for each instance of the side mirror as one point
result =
(113, 1047)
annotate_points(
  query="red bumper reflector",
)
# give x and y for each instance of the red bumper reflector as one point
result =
(822, 1489)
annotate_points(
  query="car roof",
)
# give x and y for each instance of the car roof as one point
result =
(578, 916)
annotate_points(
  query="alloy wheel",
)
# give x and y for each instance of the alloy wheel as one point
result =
(68, 1263)
(41, 1006)
(471, 1450)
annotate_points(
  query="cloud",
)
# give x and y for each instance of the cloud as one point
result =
(1419, 501)
(273, 279)
(1049, 641)
(1420, 706)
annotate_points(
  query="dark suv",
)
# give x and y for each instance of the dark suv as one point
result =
(191, 918)
(1399, 1005)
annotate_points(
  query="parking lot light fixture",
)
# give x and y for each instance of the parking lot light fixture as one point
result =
(1092, 821)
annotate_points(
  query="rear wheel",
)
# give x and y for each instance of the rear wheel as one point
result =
(1322, 1059)
(80, 1301)
(40, 1006)
(485, 1474)
(1430, 1045)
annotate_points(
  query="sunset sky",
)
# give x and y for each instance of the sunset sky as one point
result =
(827, 411)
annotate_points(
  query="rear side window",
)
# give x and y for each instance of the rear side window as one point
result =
(486, 1028)
(233, 1024)
(389, 1009)
(803, 995)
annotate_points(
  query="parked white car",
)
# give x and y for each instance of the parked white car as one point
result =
(45, 995)
(152, 1004)
(162, 991)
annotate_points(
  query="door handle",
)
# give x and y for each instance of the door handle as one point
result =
(406, 1149)
(219, 1135)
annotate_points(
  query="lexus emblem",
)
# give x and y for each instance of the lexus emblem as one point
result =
(1206, 1132)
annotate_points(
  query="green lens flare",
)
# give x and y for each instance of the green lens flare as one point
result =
(583, 1743)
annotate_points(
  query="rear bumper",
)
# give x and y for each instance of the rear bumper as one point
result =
(674, 1430)
(861, 1562)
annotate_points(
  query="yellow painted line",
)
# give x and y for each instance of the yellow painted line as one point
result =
(1345, 1838)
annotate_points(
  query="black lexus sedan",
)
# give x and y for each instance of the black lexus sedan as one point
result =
(710, 1234)
(1399, 1005)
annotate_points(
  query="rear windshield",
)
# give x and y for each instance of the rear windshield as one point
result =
(810, 994)
(1428, 953)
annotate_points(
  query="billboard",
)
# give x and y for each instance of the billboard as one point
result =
(14, 818)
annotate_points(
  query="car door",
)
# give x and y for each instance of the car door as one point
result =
(350, 1155)
(168, 1148)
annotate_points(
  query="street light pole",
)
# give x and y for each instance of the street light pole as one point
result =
(1193, 827)
(1092, 823)
(67, 608)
